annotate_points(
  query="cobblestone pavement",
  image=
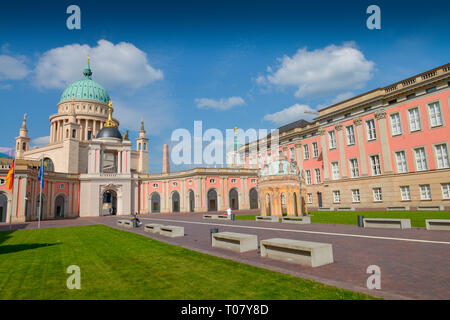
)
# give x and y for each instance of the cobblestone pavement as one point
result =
(415, 263)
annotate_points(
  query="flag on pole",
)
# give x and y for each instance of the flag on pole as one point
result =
(41, 174)
(10, 177)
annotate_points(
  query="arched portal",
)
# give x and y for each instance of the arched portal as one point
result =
(59, 206)
(3, 207)
(253, 198)
(109, 203)
(175, 201)
(212, 200)
(155, 203)
(191, 201)
(234, 199)
(268, 208)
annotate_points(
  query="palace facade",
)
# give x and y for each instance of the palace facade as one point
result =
(383, 150)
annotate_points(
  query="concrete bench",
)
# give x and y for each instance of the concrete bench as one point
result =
(438, 224)
(216, 217)
(171, 231)
(125, 223)
(387, 223)
(210, 216)
(239, 242)
(267, 218)
(153, 228)
(313, 254)
(299, 220)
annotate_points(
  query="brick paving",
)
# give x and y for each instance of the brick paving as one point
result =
(417, 267)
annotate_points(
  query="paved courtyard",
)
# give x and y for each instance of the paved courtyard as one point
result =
(415, 263)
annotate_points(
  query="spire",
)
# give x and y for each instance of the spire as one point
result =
(110, 122)
(24, 122)
(87, 71)
(142, 124)
(235, 139)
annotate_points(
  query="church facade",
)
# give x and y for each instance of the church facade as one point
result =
(385, 149)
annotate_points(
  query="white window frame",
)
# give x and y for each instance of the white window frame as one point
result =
(350, 135)
(421, 159)
(305, 152)
(356, 196)
(332, 140)
(335, 172)
(308, 176)
(336, 196)
(445, 191)
(292, 153)
(435, 114)
(310, 198)
(425, 192)
(315, 148)
(402, 163)
(377, 194)
(405, 193)
(371, 130)
(414, 120)
(317, 176)
(396, 124)
(354, 169)
(441, 153)
(375, 165)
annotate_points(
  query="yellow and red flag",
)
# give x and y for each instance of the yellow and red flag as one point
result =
(10, 177)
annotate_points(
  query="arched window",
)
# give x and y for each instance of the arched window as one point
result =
(253, 198)
(155, 202)
(48, 165)
(212, 200)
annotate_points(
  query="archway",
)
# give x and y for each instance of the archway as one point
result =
(253, 196)
(268, 208)
(212, 200)
(191, 201)
(175, 201)
(109, 203)
(59, 206)
(155, 203)
(234, 199)
(3, 207)
(295, 204)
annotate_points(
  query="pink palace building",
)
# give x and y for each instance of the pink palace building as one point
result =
(386, 149)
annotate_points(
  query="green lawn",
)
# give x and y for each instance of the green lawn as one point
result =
(117, 264)
(351, 217)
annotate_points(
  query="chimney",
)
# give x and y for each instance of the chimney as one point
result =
(166, 163)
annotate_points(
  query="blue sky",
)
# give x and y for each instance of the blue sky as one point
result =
(251, 64)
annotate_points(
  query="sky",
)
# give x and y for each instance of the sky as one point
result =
(250, 64)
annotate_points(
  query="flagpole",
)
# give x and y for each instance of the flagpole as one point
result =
(12, 192)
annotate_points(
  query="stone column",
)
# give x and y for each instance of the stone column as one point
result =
(324, 147)
(298, 152)
(342, 159)
(385, 150)
(361, 146)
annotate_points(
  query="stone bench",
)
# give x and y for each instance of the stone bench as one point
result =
(125, 223)
(239, 242)
(438, 224)
(216, 217)
(153, 228)
(171, 231)
(299, 220)
(267, 218)
(313, 254)
(387, 223)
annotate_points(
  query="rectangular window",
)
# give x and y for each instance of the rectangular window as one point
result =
(400, 157)
(310, 200)
(376, 166)
(308, 176)
(442, 156)
(292, 154)
(335, 170)
(446, 191)
(317, 176)
(331, 139)
(425, 192)
(404, 191)
(371, 131)
(354, 168)
(377, 195)
(336, 196)
(355, 195)
(421, 159)
(396, 125)
(315, 150)
(350, 133)
(305, 152)
(414, 120)
(435, 114)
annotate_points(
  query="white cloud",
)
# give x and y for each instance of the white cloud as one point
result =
(323, 71)
(119, 65)
(342, 97)
(222, 104)
(41, 141)
(12, 68)
(291, 114)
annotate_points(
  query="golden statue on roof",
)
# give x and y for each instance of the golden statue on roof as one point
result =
(110, 122)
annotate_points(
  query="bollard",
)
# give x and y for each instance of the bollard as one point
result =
(361, 221)
(211, 231)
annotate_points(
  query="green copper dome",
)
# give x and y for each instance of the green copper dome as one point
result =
(86, 89)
